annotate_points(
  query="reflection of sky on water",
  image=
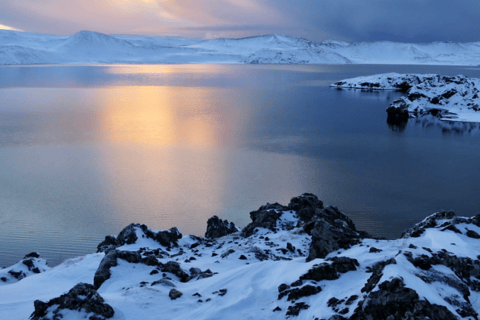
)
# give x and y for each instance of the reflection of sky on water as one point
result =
(87, 150)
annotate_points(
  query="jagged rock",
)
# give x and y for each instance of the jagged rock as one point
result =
(32, 255)
(305, 205)
(296, 308)
(217, 228)
(265, 217)
(332, 230)
(168, 237)
(128, 235)
(174, 294)
(174, 267)
(377, 274)
(297, 293)
(103, 271)
(429, 222)
(326, 271)
(82, 297)
(395, 301)
(108, 244)
(397, 112)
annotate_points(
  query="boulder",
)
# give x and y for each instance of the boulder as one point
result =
(395, 301)
(82, 298)
(217, 228)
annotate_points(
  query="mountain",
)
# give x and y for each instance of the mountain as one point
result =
(87, 47)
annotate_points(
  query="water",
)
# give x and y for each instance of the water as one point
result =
(86, 150)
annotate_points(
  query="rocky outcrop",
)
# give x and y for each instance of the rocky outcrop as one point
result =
(444, 97)
(217, 228)
(394, 301)
(31, 264)
(265, 217)
(331, 230)
(128, 235)
(82, 298)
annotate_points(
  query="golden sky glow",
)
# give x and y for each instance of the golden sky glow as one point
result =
(190, 18)
(3, 27)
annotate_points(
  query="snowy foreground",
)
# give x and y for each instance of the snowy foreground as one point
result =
(88, 47)
(300, 261)
(447, 98)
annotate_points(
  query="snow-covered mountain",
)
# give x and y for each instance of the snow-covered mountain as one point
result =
(87, 47)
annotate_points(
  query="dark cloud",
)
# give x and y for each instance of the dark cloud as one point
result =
(377, 20)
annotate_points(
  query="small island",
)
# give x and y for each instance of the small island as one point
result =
(449, 98)
(300, 261)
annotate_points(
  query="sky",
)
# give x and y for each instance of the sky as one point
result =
(317, 20)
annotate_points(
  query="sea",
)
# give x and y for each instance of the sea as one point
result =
(87, 150)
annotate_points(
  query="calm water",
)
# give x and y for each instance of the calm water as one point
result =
(86, 150)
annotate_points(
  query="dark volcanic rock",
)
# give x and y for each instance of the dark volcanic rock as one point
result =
(103, 271)
(217, 228)
(128, 235)
(394, 301)
(265, 217)
(168, 237)
(83, 297)
(397, 112)
(429, 222)
(332, 231)
(377, 273)
(296, 308)
(305, 205)
(174, 294)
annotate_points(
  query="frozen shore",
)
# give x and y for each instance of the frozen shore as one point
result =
(87, 47)
(447, 98)
(302, 261)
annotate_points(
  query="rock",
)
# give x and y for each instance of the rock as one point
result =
(283, 287)
(305, 205)
(108, 244)
(376, 274)
(332, 231)
(128, 235)
(296, 308)
(103, 271)
(397, 112)
(323, 271)
(429, 222)
(32, 255)
(297, 293)
(164, 282)
(174, 267)
(217, 228)
(262, 218)
(174, 294)
(394, 301)
(82, 298)
(168, 237)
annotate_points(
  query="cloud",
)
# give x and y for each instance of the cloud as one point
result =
(351, 20)
(131, 16)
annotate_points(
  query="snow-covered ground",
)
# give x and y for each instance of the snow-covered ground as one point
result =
(299, 261)
(87, 47)
(448, 98)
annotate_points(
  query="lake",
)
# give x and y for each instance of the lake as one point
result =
(86, 150)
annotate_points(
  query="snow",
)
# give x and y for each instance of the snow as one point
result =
(88, 47)
(452, 99)
(251, 284)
